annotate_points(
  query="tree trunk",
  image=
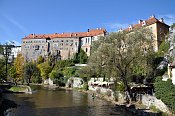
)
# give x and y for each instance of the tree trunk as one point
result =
(127, 90)
(15, 82)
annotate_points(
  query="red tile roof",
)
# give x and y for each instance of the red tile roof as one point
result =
(93, 32)
(148, 22)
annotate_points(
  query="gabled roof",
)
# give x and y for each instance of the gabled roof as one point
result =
(147, 22)
(92, 32)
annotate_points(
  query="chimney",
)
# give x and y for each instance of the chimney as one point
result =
(140, 21)
(88, 30)
(152, 16)
(63, 33)
(161, 20)
(33, 35)
(97, 28)
(120, 30)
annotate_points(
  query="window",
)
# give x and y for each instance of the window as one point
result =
(71, 44)
(81, 42)
(27, 47)
(37, 47)
(86, 50)
(55, 45)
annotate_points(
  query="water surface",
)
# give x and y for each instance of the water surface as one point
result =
(60, 102)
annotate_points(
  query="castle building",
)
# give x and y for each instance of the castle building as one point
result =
(64, 45)
(158, 27)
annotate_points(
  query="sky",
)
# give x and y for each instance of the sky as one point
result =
(19, 18)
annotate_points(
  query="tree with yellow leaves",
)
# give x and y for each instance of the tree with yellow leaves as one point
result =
(19, 66)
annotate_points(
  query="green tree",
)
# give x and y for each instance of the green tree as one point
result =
(2, 69)
(45, 69)
(1, 49)
(13, 74)
(81, 57)
(121, 52)
(69, 72)
(40, 60)
(30, 70)
(163, 48)
(86, 73)
(165, 90)
(61, 64)
(57, 77)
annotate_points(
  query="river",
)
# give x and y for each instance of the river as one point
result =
(60, 102)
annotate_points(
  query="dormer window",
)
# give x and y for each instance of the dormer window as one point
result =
(130, 27)
(140, 21)
(143, 23)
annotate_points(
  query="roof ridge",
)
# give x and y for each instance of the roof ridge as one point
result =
(92, 32)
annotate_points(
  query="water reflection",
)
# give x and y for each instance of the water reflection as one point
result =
(60, 102)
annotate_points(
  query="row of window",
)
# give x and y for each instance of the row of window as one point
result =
(62, 41)
(62, 44)
(37, 47)
(37, 41)
(34, 41)
(87, 40)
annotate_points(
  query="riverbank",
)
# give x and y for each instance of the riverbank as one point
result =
(135, 108)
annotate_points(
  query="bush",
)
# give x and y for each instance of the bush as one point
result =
(36, 79)
(165, 90)
(154, 109)
(85, 86)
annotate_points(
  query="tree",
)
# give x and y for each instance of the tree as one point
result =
(163, 48)
(45, 69)
(122, 52)
(13, 74)
(57, 77)
(30, 70)
(69, 72)
(86, 73)
(19, 67)
(81, 57)
(61, 64)
(2, 69)
(165, 90)
(40, 60)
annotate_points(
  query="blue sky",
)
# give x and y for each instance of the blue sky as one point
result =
(23, 17)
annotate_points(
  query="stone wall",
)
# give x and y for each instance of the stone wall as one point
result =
(151, 100)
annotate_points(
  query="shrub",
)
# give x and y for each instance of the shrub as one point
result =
(165, 90)
(85, 86)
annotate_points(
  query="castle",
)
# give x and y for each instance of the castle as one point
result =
(64, 45)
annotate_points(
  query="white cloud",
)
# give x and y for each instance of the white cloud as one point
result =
(168, 18)
(16, 23)
(116, 26)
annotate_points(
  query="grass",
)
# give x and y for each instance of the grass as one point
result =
(17, 89)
